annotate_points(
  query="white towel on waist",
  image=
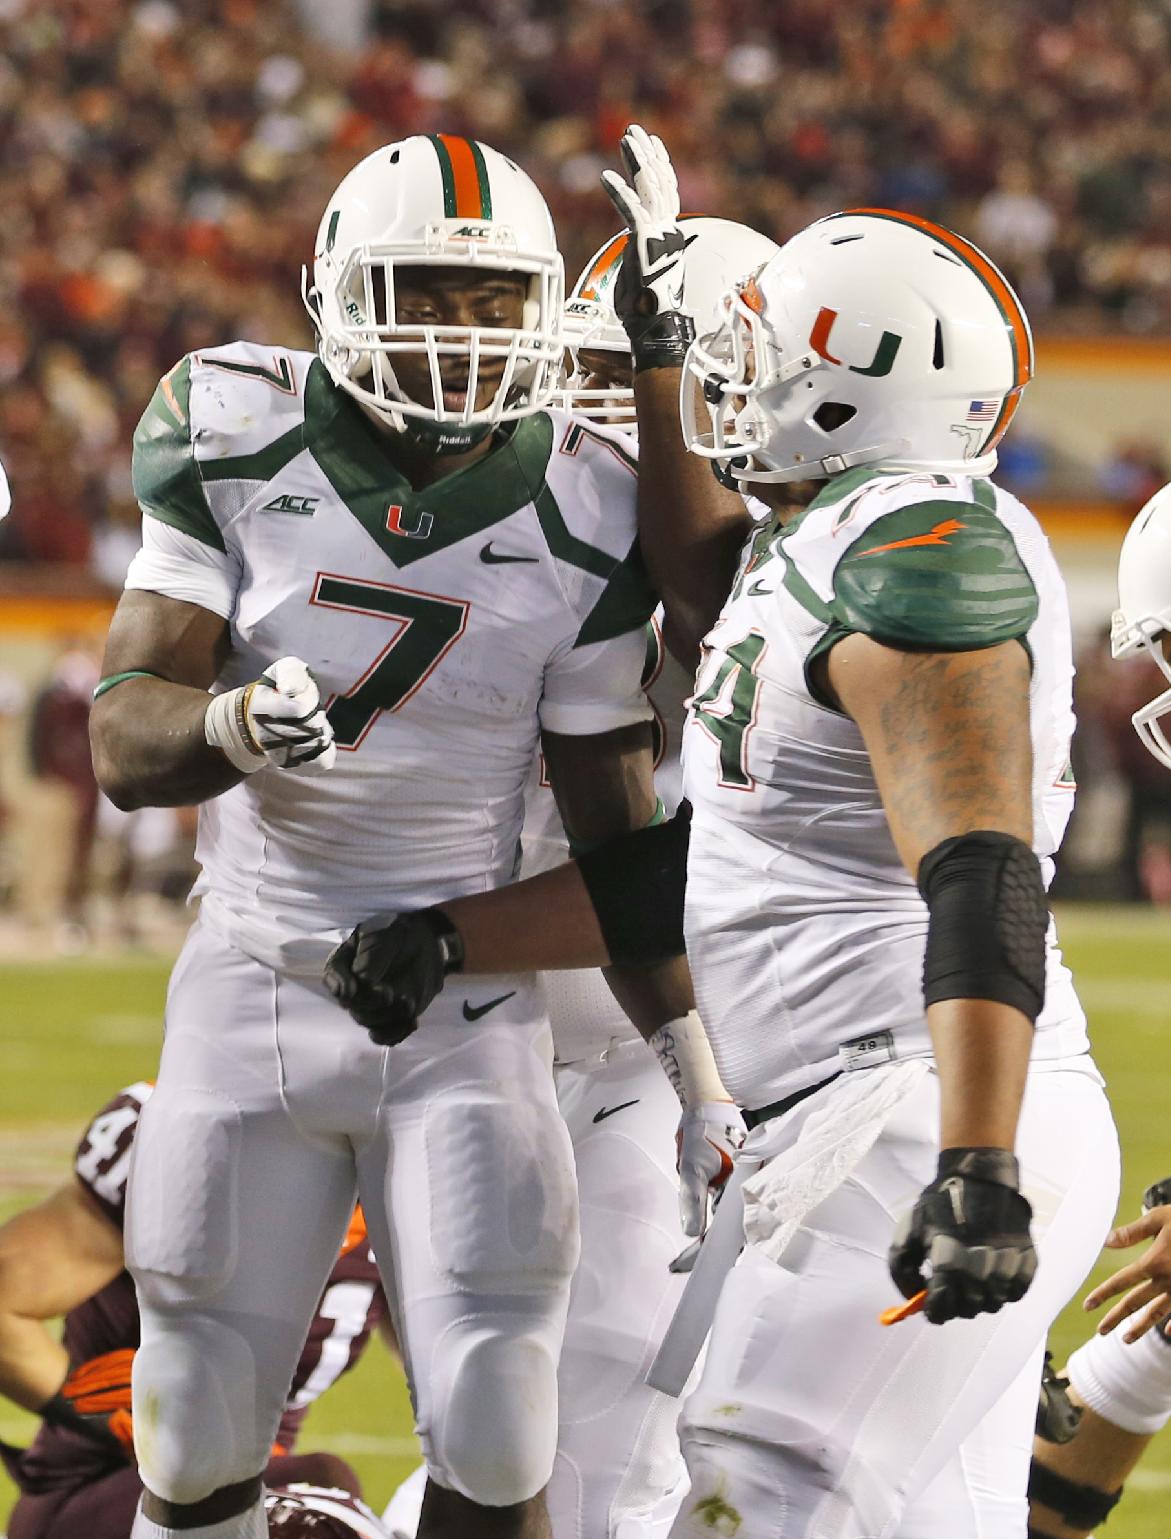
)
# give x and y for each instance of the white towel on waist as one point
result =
(847, 1119)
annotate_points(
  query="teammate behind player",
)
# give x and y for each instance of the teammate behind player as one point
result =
(403, 515)
(618, 1461)
(65, 1257)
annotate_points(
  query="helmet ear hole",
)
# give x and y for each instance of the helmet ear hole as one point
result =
(831, 415)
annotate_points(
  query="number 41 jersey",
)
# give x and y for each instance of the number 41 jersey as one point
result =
(445, 628)
(805, 932)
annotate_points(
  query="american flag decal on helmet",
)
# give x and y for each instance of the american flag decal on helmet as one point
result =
(983, 411)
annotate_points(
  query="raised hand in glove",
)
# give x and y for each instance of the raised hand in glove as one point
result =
(648, 295)
(387, 975)
(278, 719)
(972, 1226)
(709, 1135)
(95, 1402)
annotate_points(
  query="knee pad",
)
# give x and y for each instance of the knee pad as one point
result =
(182, 1213)
(1129, 1386)
(503, 1199)
(195, 1411)
(494, 1435)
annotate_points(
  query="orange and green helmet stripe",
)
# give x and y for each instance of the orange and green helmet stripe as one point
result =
(466, 190)
(606, 259)
(1020, 337)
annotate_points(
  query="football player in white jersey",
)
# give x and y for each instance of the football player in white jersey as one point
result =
(877, 756)
(1121, 1377)
(447, 574)
(619, 1470)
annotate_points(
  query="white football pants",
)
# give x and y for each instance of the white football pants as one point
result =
(813, 1421)
(272, 1109)
(619, 1471)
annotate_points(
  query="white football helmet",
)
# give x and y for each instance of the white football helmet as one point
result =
(872, 338)
(1143, 616)
(719, 254)
(319, 1512)
(435, 200)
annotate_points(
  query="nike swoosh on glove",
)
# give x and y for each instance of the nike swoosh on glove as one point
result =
(648, 295)
(710, 1132)
(387, 975)
(971, 1228)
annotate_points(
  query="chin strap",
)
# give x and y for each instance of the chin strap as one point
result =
(830, 466)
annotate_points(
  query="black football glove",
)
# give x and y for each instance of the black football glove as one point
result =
(972, 1226)
(648, 296)
(387, 975)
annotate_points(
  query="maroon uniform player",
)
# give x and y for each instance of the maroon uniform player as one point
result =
(65, 1257)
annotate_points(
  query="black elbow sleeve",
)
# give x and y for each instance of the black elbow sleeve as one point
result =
(988, 918)
(636, 885)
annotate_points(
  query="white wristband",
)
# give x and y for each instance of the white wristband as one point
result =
(686, 1057)
(224, 728)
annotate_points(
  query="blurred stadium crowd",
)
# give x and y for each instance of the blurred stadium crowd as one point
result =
(163, 166)
(164, 163)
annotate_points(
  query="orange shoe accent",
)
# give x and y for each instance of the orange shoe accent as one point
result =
(937, 536)
(356, 1233)
(912, 1306)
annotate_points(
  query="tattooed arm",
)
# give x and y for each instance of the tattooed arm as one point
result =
(948, 738)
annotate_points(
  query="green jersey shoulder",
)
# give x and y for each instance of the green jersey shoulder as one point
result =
(924, 561)
(226, 413)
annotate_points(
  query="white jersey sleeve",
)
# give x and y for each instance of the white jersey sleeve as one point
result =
(593, 681)
(595, 688)
(179, 566)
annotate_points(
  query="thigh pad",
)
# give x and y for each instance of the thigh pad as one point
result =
(182, 1205)
(503, 1204)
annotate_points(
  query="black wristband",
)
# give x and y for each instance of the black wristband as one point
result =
(662, 342)
(451, 942)
(982, 1164)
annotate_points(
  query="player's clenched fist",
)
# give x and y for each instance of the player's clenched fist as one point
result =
(971, 1225)
(277, 719)
(386, 975)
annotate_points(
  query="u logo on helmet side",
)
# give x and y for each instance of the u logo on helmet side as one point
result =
(884, 354)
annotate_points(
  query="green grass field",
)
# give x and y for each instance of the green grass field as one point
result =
(75, 1031)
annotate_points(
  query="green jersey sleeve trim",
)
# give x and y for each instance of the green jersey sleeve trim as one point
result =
(163, 468)
(626, 604)
(935, 576)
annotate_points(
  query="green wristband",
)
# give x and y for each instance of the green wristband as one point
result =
(114, 679)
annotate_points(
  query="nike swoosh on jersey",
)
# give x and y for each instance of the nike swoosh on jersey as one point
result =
(608, 1111)
(498, 557)
(938, 535)
(757, 589)
(474, 1012)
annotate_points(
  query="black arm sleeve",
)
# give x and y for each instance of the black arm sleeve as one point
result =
(636, 885)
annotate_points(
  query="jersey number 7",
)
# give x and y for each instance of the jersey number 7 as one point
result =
(427, 627)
